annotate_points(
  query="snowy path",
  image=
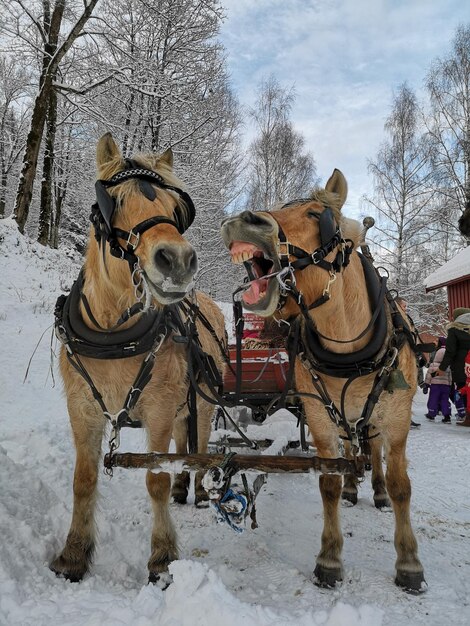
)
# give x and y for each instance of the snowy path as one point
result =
(261, 577)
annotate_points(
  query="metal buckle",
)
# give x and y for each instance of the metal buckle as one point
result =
(137, 239)
(285, 275)
(314, 255)
(388, 366)
(283, 255)
(331, 280)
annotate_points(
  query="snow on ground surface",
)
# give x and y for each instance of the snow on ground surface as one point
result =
(259, 578)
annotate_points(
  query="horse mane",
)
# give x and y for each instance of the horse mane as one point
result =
(129, 190)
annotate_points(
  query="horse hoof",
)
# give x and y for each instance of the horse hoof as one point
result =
(160, 579)
(349, 496)
(327, 577)
(72, 575)
(201, 501)
(179, 498)
(382, 502)
(411, 582)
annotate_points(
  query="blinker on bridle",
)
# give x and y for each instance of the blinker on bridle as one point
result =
(102, 212)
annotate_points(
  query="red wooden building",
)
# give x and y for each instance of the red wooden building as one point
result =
(455, 276)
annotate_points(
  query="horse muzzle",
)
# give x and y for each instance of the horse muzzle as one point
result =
(171, 272)
(251, 238)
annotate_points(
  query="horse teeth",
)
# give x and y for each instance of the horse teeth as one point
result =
(241, 257)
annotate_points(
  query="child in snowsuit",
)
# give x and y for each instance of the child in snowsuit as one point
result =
(439, 388)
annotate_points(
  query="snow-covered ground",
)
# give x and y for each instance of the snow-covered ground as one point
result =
(259, 578)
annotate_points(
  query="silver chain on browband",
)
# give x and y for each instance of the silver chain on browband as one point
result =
(135, 173)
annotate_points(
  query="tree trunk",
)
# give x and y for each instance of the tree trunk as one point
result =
(4, 179)
(3, 193)
(46, 213)
(54, 237)
(30, 159)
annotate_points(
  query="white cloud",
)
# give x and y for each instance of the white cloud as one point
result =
(345, 58)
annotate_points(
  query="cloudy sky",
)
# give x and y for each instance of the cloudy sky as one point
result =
(344, 59)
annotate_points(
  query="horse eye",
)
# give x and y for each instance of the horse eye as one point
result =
(313, 214)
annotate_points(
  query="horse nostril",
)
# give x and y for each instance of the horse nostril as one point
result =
(163, 259)
(178, 262)
(253, 218)
(193, 261)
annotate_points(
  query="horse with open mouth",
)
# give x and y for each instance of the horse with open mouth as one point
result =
(354, 367)
(125, 353)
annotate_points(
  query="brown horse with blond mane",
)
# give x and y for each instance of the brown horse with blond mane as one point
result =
(141, 213)
(355, 367)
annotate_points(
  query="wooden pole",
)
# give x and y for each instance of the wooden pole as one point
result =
(258, 462)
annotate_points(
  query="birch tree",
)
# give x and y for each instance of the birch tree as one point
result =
(448, 84)
(13, 116)
(403, 194)
(279, 167)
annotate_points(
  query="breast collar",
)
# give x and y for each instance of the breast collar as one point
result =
(139, 338)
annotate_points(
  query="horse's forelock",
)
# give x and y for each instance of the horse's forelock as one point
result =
(129, 190)
(153, 162)
(110, 168)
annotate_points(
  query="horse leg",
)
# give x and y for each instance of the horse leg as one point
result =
(180, 488)
(329, 567)
(164, 547)
(410, 573)
(378, 479)
(205, 411)
(350, 482)
(76, 557)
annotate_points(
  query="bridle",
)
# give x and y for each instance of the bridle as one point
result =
(102, 212)
(330, 239)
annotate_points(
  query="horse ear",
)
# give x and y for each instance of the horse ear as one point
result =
(337, 184)
(107, 151)
(167, 158)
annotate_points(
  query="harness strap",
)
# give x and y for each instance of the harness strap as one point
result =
(191, 308)
(135, 309)
(196, 365)
(132, 238)
(377, 311)
(107, 343)
(144, 375)
(304, 259)
(239, 326)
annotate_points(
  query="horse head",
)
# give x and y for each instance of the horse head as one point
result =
(143, 212)
(305, 234)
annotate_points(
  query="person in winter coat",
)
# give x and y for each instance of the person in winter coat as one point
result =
(457, 346)
(439, 386)
(465, 391)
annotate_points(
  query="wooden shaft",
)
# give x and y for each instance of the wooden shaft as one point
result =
(262, 463)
